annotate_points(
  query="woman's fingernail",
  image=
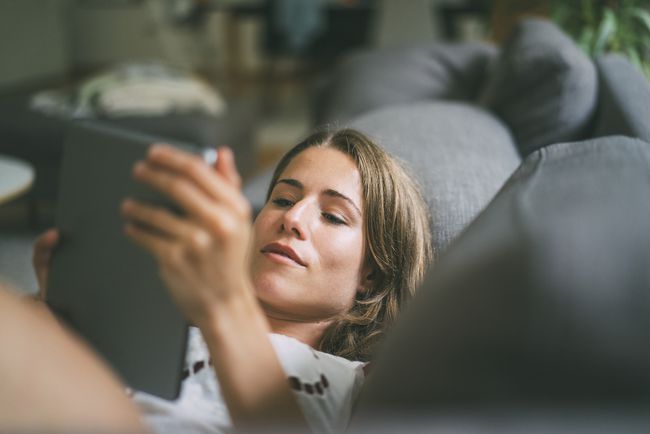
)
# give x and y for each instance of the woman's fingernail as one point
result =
(210, 156)
(156, 148)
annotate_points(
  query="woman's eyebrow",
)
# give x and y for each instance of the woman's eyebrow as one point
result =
(328, 192)
(292, 182)
(334, 193)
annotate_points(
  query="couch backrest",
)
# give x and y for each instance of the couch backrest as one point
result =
(373, 79)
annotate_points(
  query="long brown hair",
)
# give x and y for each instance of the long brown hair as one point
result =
(398, 241)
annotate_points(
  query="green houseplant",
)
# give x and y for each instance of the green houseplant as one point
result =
(601, 26)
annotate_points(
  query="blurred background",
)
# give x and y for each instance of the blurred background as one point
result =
(243, 73)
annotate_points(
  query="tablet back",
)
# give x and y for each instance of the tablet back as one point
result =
(107, 288)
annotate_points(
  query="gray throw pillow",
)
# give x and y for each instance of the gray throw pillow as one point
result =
(624, 99)
(542, 86)
(543, 300)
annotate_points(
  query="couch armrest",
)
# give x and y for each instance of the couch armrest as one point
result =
(624, 99)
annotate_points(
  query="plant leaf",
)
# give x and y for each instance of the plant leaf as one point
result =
(584, 41)
(643, 16)
(561, 13)
(646, 69)
(634, 58)
(606, 30)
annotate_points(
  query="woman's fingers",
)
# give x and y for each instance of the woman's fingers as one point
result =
(171, 254)
(192, 199)
(155, 244)
(162, 221)
(226, 166)
(190, 166)
(159, 231)
(42, 256)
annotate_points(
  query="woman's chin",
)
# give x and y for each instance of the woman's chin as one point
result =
(270, 287)
(276, 297)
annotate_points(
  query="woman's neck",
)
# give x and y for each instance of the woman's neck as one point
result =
(307, 332)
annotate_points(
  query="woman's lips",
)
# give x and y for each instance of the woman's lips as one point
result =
(283, 252)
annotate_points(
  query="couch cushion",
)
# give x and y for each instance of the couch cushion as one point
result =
(460, 154)
(372, 79)
(542, 86)
(543, 300)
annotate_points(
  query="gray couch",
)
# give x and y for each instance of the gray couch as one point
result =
(535, 162)
(463, 116)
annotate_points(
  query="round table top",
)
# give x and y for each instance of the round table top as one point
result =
(16, 177)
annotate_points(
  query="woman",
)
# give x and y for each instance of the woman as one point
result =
(340, 245)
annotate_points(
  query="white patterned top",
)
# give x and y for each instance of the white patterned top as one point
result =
(325, 387)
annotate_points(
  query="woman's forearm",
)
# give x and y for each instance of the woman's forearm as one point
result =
(51, 381)
(252, 380)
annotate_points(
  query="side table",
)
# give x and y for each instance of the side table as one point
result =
(16, 177)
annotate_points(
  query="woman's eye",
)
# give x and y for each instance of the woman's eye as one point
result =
(333, 219)
(282, 203)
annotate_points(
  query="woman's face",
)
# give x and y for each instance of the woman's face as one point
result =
(308, 249)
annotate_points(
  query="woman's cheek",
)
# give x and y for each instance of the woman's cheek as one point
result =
(342, 252)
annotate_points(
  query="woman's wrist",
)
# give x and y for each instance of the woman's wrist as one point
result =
(251, 377)
(240, 309)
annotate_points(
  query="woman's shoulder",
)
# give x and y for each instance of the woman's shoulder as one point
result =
(325, 385)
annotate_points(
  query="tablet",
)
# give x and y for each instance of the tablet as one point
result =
(103, 285)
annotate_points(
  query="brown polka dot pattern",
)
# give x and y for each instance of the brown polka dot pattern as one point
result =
(317, 388)
(295, 383)
(196, 367)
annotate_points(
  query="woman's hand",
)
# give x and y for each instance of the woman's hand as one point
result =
(203, 254)
(203, 260)
(42, 257)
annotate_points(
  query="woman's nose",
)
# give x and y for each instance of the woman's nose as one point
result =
(294, 220)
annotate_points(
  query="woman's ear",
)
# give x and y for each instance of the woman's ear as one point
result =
(367, 280)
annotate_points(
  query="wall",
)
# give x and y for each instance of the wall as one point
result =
(40, 39)
(102, 34)
(106, 33)
(43, 38)
(405, 22)
(32, 40)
